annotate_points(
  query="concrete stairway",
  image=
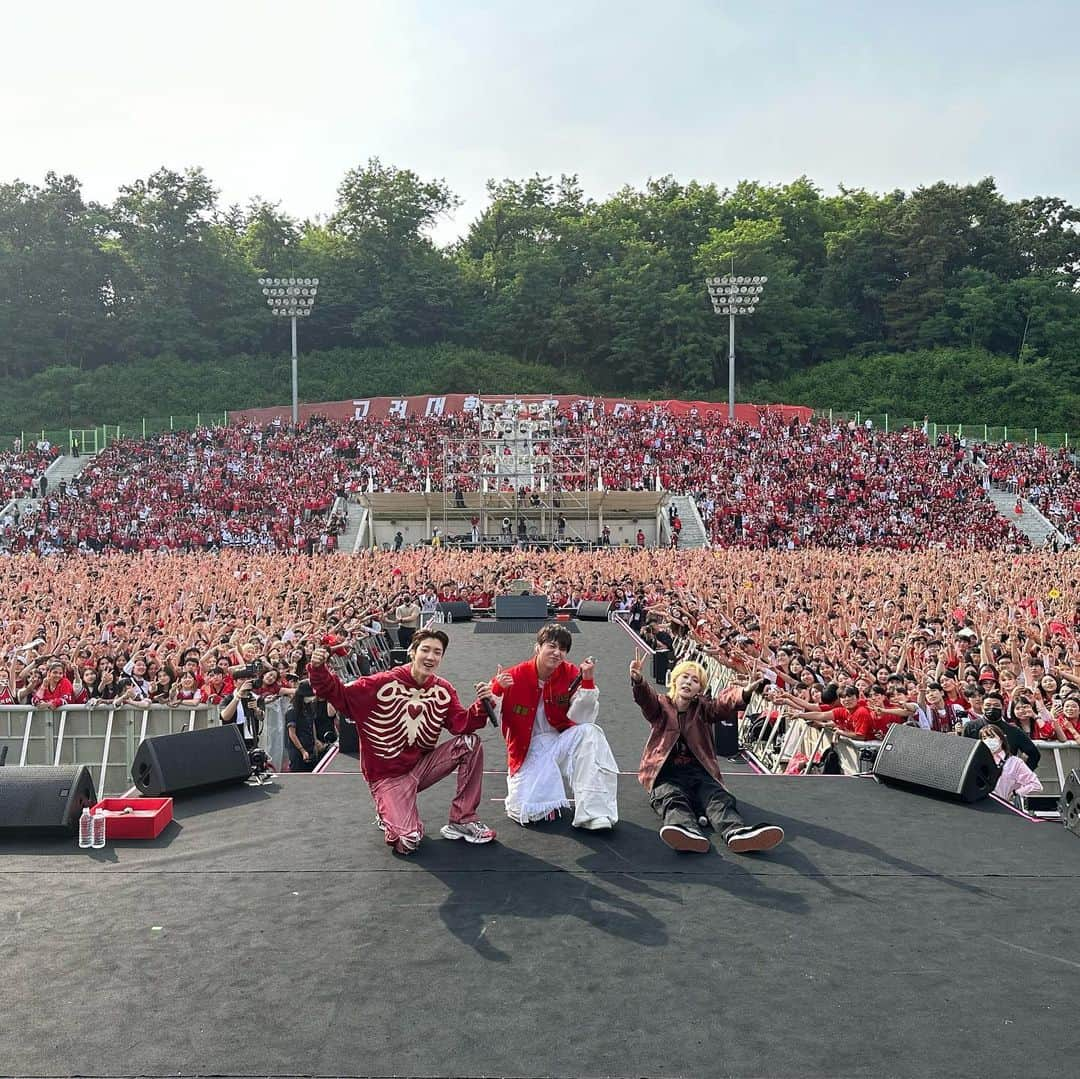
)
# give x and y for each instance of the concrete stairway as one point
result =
(1031, 522)
(66, 468)
(352, 539)
(693, 530)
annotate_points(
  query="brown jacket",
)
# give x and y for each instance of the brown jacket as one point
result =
(696, 728)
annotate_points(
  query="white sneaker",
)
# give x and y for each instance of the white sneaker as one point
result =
(473, 832)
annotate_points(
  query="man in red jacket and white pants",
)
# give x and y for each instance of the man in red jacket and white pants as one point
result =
(548, 708)
(399, 715)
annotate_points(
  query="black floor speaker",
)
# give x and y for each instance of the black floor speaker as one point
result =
(172, 763)
(456, 611)
(931, 760)
(592, 610)
(348, 739)
(521, 607)
(44, 796)
(1069, 803)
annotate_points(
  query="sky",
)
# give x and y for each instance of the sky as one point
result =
(277, 100)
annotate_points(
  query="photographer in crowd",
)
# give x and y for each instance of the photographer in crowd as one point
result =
(245, 710)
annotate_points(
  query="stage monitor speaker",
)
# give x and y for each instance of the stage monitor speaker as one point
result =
(456, 611)
(1069, 802)
(348, 738)
(936, 761)
(521, 607)
(592, 610)
(44, 796)
(173, 763)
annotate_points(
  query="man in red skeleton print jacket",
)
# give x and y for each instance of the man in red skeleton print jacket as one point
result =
(399, 715)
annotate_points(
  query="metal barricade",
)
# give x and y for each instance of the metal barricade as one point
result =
(1057, 760)
(104, 738)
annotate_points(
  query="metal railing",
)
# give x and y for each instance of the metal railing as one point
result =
(973, 432)
(104, 738)
(95, 439)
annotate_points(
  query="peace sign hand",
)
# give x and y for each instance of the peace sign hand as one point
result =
(636, 664)
(504, 678)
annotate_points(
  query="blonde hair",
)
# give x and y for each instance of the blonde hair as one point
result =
(687, 666)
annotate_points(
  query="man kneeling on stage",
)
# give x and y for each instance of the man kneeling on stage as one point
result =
(548, 710)
(679, 768)
(399, 715)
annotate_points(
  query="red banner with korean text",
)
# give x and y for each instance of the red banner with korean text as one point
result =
(383, 408)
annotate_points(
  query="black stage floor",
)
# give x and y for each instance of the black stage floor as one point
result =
(268, 932)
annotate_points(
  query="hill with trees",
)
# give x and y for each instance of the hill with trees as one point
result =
(949, 299)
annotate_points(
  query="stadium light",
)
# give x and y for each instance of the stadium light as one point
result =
(291, 297)
(734, 295)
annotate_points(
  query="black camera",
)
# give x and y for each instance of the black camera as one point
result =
(259, 760)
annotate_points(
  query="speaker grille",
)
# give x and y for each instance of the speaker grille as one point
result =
(942, 762)
(44, 795)
(179, 762)
(1069, 802)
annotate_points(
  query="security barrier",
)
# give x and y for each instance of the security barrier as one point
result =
(104, 738)
(1056, 761)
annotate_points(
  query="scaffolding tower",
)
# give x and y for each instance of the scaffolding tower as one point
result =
(520, 474)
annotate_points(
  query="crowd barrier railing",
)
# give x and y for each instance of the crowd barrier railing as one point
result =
(1057, 760)
(104, 738)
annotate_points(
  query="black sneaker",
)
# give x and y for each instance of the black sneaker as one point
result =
(684, 839)
(754, 838)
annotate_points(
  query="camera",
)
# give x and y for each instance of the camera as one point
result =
(259, 761)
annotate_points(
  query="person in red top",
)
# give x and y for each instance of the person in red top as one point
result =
(399, 715)
(851, 719)
(547, 708)
(56, 690)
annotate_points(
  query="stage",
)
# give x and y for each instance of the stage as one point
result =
(269, 932)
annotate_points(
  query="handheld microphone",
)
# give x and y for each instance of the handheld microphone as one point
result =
(488, 706)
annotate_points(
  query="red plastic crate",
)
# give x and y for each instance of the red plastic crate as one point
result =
(146, 820)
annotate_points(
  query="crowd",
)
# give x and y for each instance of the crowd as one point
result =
(218, 487)
(21, 470)
(780, 483)
(1047, 478)
(935, 636)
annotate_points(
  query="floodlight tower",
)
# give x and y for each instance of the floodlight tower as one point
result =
(292, 297)
(733, 296)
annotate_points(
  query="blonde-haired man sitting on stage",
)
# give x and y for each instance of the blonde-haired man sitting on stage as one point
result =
(679, 768)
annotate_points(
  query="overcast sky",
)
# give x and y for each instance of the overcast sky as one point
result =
(278, 99)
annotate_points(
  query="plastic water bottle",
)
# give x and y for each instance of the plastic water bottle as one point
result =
(99, 829)
(86, 829)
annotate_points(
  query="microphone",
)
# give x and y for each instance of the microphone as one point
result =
(488, 706)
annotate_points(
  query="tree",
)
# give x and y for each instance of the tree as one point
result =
(53, 273)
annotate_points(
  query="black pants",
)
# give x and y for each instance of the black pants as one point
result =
(661, 664)
(682, 793)
(405, 636)
(297, 762)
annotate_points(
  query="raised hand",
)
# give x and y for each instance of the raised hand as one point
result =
(503, 677)
(636, 664)
(318, 657)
